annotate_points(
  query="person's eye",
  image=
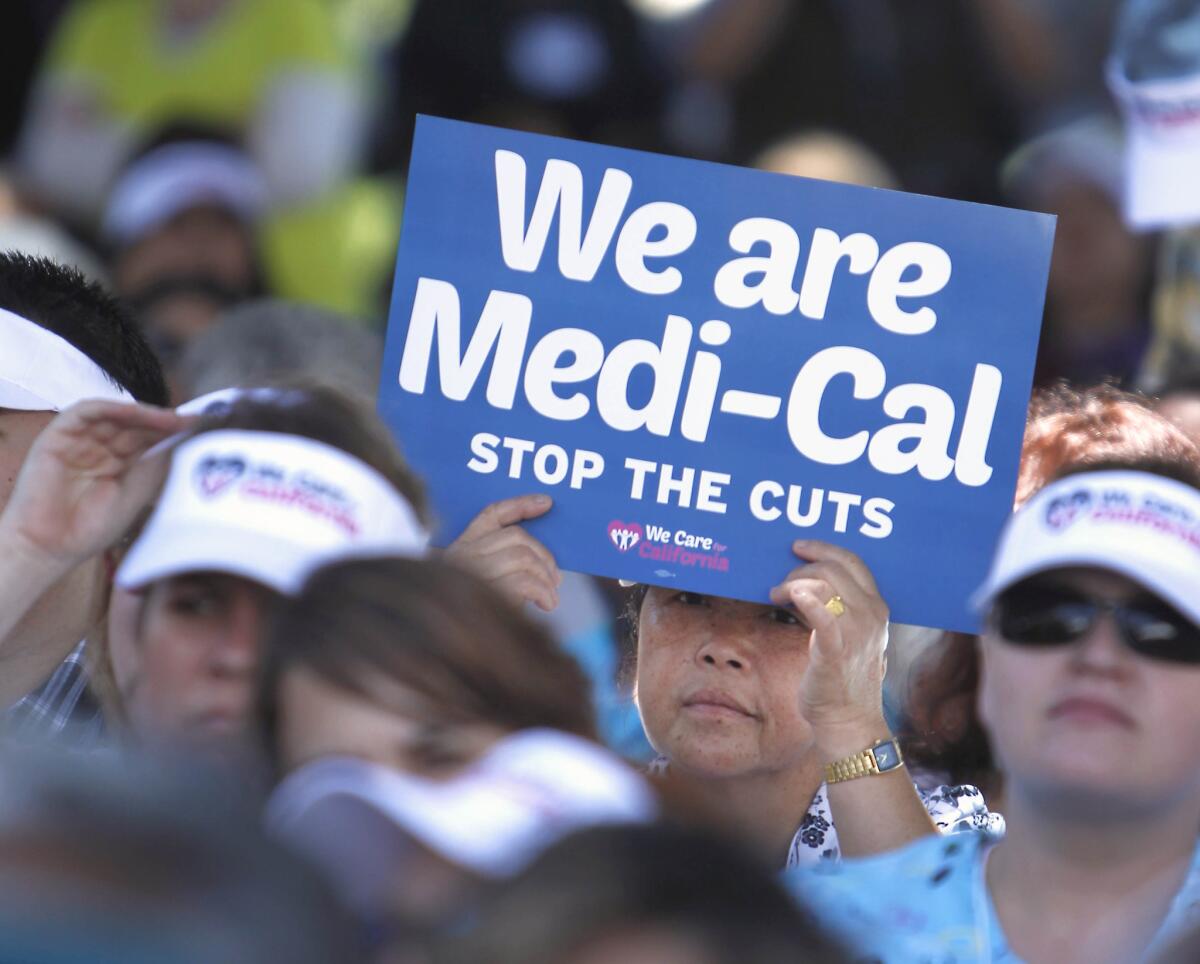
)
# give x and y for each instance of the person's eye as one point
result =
(691, 598)
(434, 748)
(196, 603)
(785, 617)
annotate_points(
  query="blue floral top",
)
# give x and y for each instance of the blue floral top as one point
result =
(953, 809)
(928, 902)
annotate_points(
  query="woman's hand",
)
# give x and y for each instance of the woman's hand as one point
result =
(842, 690)
(495, 547)
(84, 482)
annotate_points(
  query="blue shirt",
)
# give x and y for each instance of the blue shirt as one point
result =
(928, 903)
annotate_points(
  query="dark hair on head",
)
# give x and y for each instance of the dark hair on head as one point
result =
(324, 414)
(643, 880)
(451, 640)
(631, 611)
(60, 299)
(1069, 431)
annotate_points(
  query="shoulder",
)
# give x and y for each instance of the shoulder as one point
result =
(904, 904)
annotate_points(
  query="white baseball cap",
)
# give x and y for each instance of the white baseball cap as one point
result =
(270, 507)
(1143, 526)
(529, 790)
(1154, 73)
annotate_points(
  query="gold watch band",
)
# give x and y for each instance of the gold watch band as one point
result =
(861, 764)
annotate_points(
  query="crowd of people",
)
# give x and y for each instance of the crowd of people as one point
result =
(248, 713)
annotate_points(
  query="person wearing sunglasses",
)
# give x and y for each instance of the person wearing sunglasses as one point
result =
(1090, 693)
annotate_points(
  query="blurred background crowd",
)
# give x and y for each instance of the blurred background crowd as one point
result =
(198, 154)
(234, 172)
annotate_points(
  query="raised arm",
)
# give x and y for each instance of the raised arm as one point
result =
(842, 695)
(81, 486)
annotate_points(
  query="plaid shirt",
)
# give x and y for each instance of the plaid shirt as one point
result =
(63, 709)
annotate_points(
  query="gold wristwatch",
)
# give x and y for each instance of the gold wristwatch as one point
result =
(883, 757)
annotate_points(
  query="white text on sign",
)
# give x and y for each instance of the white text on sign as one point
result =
(569, 372)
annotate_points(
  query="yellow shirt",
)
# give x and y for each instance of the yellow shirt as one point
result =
(125, 52)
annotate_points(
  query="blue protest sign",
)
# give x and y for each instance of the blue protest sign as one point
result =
(701, 363)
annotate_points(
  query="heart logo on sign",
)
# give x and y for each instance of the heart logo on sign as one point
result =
(215, 473)
(624, 535)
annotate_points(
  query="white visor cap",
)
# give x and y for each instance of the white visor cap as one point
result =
(269, 507)
(1143, 526)
(529, 790)
(43, 372)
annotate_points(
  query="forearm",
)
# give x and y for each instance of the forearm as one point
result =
(25, 575)
(873, 813)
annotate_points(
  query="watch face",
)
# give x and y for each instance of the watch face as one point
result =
(886, 756)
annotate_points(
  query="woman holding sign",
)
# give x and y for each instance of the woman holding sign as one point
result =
(770, 715)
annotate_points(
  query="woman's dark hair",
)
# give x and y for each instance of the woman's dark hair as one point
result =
(1069, 431)
(443, 634)
(631, 610)
(616, 881)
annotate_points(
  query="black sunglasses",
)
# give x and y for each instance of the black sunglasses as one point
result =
(1038, 613)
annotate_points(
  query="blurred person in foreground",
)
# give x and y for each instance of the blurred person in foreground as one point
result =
(428, 736)
(642, 895)
(106, 860)
(62, 339)
(1089, 678)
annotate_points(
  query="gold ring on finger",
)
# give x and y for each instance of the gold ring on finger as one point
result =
(836, 606)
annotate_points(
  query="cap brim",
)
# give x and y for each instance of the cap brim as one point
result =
(464, 820)
(171, 550)
(527, 791)
(1119, 558)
